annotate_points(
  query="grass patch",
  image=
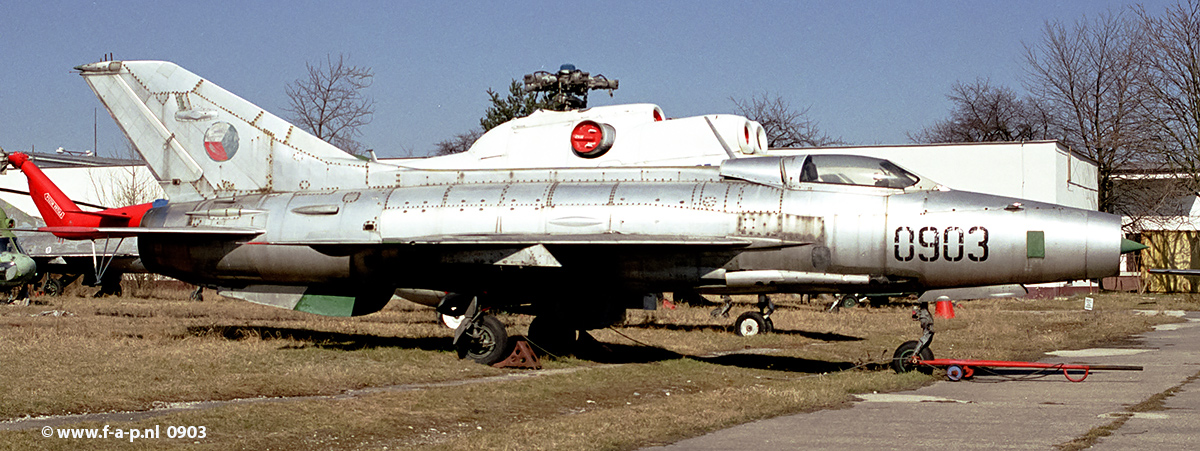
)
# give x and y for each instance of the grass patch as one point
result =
(664, 376)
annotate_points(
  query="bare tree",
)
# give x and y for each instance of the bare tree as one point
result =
(125, 185)
(1171, 82)
(330, 102)
(785, 126)
(458, 144)
(986, 113)
(1087, 77)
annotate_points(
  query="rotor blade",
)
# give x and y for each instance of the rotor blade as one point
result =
(26, 193)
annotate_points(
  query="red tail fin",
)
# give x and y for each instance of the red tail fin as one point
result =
(61, 213)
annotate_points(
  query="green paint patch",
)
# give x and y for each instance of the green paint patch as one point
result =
(1035, 244)
(326, 305)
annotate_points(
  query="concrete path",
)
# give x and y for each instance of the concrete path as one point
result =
(1158, 408)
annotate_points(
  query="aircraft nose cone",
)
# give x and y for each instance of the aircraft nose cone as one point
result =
(1128, 246)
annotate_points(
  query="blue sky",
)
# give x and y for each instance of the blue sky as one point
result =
(870, 71)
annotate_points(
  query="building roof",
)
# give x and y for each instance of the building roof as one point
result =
(46, 160)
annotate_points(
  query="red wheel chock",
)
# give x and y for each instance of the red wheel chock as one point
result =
(522, 357)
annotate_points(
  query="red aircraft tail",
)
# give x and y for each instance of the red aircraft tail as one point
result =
(63, 218)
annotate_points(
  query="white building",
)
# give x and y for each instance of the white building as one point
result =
(101, 181)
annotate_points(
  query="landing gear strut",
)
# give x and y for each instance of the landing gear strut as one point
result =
(723, 310)
(110, 285)
(754, 323)
(904, 359)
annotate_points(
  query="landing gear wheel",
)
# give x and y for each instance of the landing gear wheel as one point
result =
(52, 286)
(901, 360)
(954, 373)
(752, 323)
(487, 341)
(848, 301)
(449, 321)
(552, 336)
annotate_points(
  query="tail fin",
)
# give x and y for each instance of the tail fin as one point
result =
(202, 141)
(62, 216)
(56, 208)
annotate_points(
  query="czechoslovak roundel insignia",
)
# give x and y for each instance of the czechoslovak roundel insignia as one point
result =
(221, 141)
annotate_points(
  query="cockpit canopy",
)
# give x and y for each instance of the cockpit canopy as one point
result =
(791, 171)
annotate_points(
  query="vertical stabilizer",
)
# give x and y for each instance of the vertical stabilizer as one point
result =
(202, 141)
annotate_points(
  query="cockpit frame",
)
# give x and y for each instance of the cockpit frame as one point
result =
(800, 171)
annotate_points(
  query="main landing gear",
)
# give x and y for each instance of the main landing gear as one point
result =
(754, 323)
(749, 323)
(480, 336)
(483, 340)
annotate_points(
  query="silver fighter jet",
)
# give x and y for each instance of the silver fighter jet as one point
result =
(268, 213)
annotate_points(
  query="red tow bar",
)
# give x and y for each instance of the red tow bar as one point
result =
(956, 369)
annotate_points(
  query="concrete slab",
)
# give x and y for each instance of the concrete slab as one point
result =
(1096, 352)
(1177, 427)
(994, 412)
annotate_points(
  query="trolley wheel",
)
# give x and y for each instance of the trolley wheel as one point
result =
(954, 373)
(751, 323)
(901, 359)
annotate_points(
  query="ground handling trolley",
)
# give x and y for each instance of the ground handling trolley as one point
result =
(957, 369)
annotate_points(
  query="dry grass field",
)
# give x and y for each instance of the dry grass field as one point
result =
(391, 380)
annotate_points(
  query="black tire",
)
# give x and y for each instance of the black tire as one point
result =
(848, 301)
(750, 324)
(492, 344)
(900, 361)
(553, 336)
(52, 286)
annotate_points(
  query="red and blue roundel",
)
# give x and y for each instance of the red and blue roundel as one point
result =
(221, 141)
